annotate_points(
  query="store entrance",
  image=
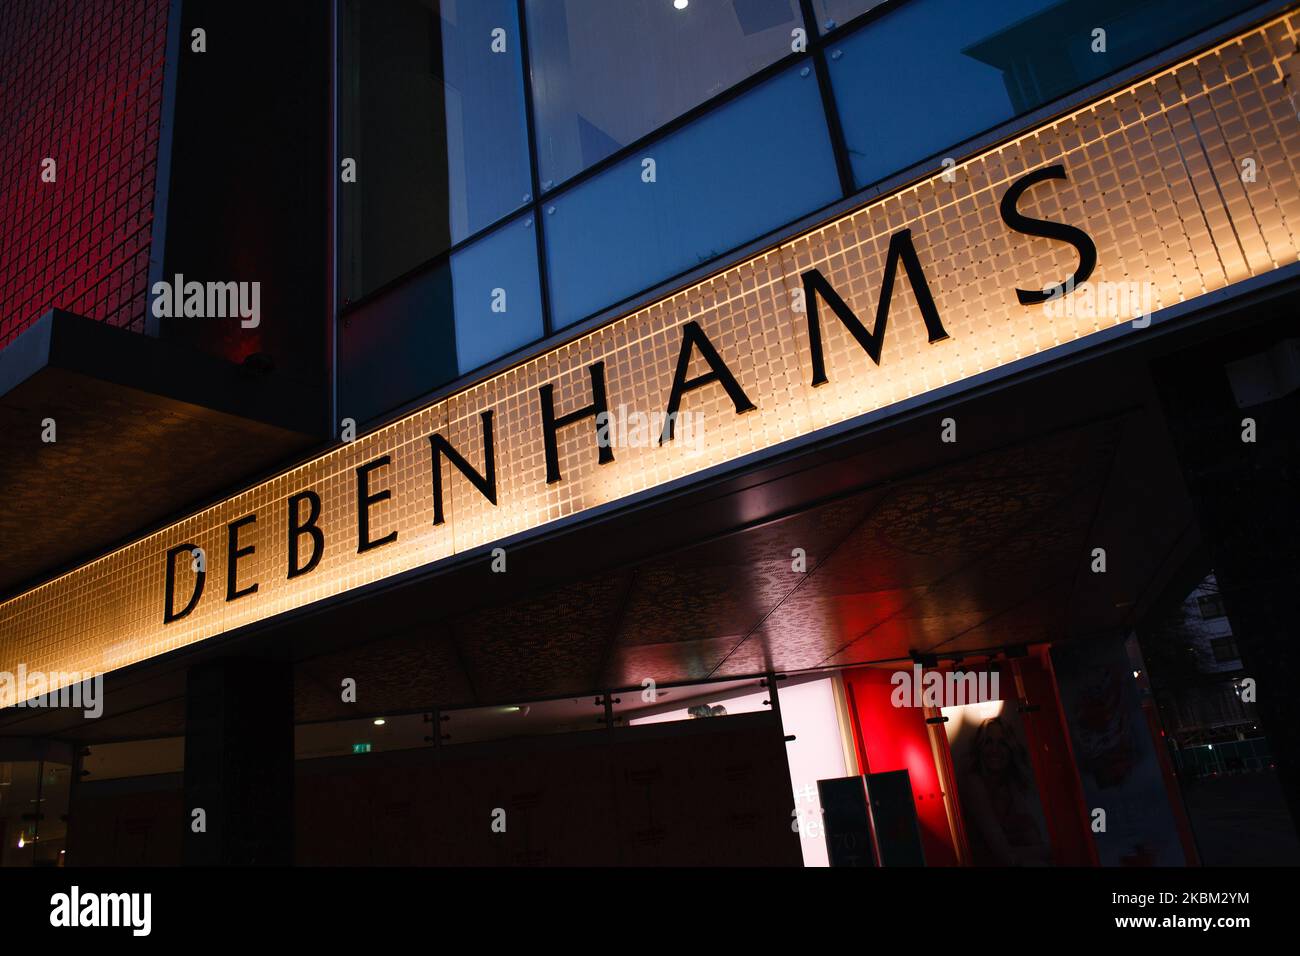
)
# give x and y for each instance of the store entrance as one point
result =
(1057, 765)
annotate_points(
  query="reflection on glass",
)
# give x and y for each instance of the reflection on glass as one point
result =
(608, 72)
(471, 725)
(33, 812)
(835, 13)
(432, 111)
(756, 163)
(476, 305)
(496, 294)
(674, 703)
(984, 64)
(367, 735)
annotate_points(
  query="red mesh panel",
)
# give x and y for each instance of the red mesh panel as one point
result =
(80, 82)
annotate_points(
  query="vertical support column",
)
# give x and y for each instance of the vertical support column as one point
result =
(239, 763)
(74, 786)
(1245, 495)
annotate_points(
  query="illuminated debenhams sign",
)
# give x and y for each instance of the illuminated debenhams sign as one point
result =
(305, 539)
(1004, 257)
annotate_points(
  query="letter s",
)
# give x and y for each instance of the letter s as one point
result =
(1047, 230)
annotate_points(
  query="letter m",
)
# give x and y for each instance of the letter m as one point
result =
(815, 284)
(223, 300)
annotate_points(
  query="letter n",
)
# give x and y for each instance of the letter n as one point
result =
(486, 483)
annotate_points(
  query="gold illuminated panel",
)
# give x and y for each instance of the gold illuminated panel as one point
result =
(1186, 181)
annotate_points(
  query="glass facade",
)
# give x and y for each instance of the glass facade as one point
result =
(433, 116)
(985, 64)
(33, 812)
(523, 175)
(607, 74)
(832, 14)
(715, 184)
(495, 294)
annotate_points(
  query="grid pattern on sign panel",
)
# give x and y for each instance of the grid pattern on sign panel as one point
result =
(1154, 177)
(83, 88)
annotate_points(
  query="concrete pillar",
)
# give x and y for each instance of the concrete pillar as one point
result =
(239, 763)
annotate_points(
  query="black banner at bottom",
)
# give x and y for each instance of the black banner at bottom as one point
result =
(590, 907)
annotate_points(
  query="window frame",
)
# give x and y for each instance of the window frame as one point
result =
(852, 196)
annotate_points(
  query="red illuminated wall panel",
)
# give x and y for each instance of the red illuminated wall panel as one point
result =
(896, 738)
(80, 82)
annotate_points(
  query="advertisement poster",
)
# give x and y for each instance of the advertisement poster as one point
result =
(999, 799)
(1117, 761)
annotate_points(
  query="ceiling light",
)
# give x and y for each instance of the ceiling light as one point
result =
(681, 4)
(379, 721)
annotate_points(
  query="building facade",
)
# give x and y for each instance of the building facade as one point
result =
(653, 431)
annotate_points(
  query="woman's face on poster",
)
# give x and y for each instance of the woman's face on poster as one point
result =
(995, 749)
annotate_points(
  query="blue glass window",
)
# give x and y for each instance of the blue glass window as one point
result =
(933, 73)
(475, 306)
(432, 111)
(758, 162)
(496, 294)
(608, 72)
(835, 13)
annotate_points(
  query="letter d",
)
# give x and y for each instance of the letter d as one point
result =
(172, 555)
